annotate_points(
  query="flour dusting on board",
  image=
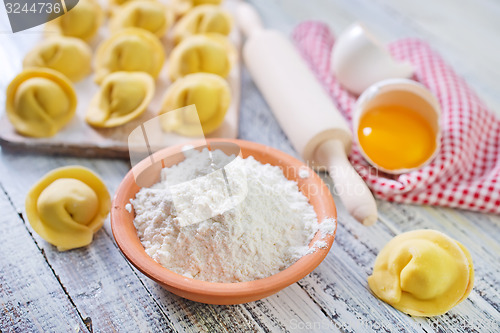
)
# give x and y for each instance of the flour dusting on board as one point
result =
(264, 234)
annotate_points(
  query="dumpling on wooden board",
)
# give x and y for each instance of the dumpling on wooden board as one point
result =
(124, 2)
(152, 16)
(181, 7)
(130, 50)
(208, 53)
(83, 21)
(67, 55)
(40, 102)
(203, 19)
(123, 96)
(208, 92)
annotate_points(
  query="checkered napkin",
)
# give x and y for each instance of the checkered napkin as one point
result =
(466, 172)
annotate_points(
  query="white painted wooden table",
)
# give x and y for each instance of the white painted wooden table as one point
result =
(96, 289)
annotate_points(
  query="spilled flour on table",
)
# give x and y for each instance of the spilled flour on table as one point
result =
(265, 233)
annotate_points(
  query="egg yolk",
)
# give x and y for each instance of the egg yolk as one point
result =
(396, 137)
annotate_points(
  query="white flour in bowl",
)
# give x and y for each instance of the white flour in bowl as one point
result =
(267, 232)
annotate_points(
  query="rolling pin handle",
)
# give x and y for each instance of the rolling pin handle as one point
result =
(248, 19)
(350, 187)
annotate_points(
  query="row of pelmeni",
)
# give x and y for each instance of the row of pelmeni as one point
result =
(121, 63)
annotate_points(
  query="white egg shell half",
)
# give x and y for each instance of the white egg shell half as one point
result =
(359, 60)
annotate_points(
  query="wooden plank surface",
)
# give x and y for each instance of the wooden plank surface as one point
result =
(101, 283)
(31, 296)
(97, 282)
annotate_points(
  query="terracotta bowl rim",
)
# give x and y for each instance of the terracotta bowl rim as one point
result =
(144, 263)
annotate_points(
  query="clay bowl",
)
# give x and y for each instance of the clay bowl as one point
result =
(210, 292)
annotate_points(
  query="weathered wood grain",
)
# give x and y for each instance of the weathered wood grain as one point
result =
(484, 249)
(286, 309)
(99, 280)
(340, 282)
(189, 316)
(362, 244)
(480, 312)
(31, 297)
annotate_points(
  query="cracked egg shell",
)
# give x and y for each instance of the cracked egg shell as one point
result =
(208, 92)
(40, 102)
(129, 50)
(67, 55)
(67, 206)
(123, 96)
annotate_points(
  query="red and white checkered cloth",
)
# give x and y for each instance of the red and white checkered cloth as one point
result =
(466, 172)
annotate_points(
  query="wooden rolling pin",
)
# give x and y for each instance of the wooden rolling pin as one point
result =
(305, 112)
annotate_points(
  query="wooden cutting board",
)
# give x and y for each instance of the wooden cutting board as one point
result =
(82, 140)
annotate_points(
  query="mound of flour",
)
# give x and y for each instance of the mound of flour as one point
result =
(265, 233)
